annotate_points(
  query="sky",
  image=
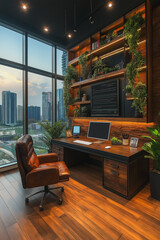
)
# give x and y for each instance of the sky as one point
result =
(40, 56)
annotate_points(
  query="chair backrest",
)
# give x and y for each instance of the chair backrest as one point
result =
(26, 157)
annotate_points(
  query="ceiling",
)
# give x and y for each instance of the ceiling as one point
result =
(51, 14)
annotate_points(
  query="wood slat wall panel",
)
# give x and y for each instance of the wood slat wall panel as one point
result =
(156, 64)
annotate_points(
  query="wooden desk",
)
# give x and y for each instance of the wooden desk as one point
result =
(125, 170)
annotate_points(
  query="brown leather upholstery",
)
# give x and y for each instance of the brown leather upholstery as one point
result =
(40, 170)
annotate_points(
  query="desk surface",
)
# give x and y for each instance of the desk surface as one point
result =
(120, 150)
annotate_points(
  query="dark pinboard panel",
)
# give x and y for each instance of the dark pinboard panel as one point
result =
(105, 98)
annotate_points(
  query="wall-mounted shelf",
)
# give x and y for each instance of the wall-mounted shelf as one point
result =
(100, 78)
(82, 102)
(100, 50)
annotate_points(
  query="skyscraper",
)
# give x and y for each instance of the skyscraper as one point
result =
(47, 106)
(20, 113)
(9, 108)
(0, 113)
(60, 105)
(64, 62)
(34, 113)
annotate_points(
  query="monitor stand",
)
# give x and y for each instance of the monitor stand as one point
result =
(100, 141)
(76, 136)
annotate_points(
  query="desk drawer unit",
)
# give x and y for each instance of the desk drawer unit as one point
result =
(115, 176)
(59, 150)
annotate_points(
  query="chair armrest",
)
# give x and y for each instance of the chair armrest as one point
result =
(48, 158)
(42, 177)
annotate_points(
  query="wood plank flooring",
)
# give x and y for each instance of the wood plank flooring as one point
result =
(84, 215)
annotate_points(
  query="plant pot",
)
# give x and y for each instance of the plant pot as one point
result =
(155, 184)
(129, 96)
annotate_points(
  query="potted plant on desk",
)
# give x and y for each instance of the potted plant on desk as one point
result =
(153, 148)
(51, 131)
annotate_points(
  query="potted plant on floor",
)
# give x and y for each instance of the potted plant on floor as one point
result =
(51, 131)
(153, 148)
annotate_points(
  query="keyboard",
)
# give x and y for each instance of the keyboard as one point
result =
(82, 142)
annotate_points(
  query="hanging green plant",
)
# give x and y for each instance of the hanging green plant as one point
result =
(71, 75)
(140, 97)
(98, 67)
(83, 63)
(132, 33)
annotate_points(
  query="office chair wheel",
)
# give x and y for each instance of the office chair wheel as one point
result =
(62, 189)
(26, 200)
(40, 208)
(59, 201)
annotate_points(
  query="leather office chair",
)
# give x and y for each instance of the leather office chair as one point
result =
(42, 170)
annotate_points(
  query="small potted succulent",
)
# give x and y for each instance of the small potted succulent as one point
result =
(84, 111)
(153, 149)
(128, 91)
(116, 141)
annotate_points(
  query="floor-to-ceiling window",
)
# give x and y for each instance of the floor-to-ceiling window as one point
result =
(28, 67)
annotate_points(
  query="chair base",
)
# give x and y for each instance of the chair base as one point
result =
(46, 191)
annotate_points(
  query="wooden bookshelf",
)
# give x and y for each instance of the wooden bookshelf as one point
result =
(82, 102)
(100, 78)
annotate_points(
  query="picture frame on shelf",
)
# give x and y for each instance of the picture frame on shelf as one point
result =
(134, 142)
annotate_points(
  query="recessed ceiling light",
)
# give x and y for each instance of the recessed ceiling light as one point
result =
(110, 4)
(46, 29)
(69, 35)
(24, 6)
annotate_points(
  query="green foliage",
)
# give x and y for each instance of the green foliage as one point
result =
(98, 67)
(140, 96)
(128, 88)
(115, 140)
(83, 63)
(84, 109)
(153, 147)
(132, 31)
(76, 111)
(71, 74)
(51, 131)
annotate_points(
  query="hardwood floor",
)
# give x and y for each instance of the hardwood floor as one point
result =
(85, 214)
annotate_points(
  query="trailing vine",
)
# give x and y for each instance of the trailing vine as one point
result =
(71, 74)
(132, 32)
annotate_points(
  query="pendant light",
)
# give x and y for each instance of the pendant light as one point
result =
(91, 19)
(75, 17)
(68, 35)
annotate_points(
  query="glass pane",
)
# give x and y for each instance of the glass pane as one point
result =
(11, 45)
(60, 102)
(62, 61)
(11, 112)
(39, 55)
(39, 107)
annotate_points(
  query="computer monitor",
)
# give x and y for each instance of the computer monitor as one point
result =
(76, 131)
(99, 130)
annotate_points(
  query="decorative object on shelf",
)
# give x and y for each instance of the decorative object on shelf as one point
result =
(84, 98)
(76, 111)
(134, 142)
(153, 148)
(125, 137)
(98, 67)
(84, 111)
(128, 90)
(68, 132)
(132, 32)
(116, 141)
(140, 97)
(71, 74)
(84, 66)
(51, 131)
